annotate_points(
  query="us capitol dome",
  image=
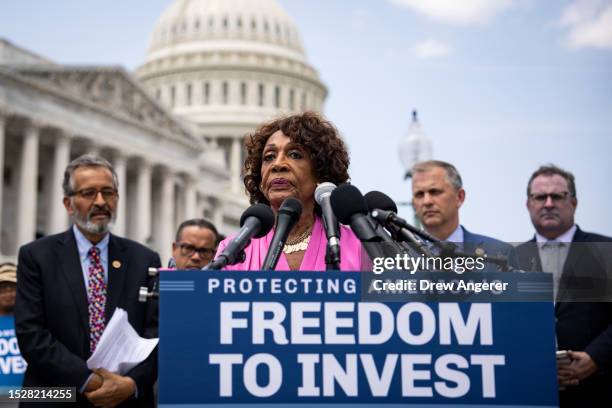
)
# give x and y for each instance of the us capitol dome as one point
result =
(215, 70)
(227, 66)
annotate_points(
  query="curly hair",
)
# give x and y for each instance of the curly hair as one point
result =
(319, 138)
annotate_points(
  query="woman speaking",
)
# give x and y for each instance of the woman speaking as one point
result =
(288, 157)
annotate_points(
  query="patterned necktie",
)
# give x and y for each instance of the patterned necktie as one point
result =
(96, 297)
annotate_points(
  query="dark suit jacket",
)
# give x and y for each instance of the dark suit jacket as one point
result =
(51, 311)
(584, 320)
(491, 246)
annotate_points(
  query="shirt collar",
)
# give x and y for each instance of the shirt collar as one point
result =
(83, 244)
(456, 236)
(567, 236)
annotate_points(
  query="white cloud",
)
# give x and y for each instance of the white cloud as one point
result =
(458, 11)
(432, 49)
(589, 23)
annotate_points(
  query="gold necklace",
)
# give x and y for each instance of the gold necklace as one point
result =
(300, 243)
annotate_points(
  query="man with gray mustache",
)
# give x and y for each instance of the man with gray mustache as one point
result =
(70, 284)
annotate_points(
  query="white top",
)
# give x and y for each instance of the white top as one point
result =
(567, 236)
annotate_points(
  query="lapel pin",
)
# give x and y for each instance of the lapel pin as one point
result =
(480, 252)
(116, 264)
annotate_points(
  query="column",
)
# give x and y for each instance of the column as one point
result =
(119, 163)
(143, 203)
(166, 221)
(189, 199)
(180, 94)
(234, 91)
(26, 197)
(215, 92)
(217, 214)
(201, 206)
(235, 164)
(197, 94)
(269, 96)
(93, 149)
(58, 217)
(2, 136)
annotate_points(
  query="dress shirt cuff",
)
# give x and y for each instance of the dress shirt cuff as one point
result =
(84, 386)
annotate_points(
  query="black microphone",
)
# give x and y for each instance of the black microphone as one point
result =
(391, 218)
(383, 210)
(288, 215)
(171, 263)
(376, 200)
(256, 221)
(332, 231)
(388, 218)
(351, 208)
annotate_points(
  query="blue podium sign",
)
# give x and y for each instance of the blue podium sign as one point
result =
(12, 365)
(308, 338)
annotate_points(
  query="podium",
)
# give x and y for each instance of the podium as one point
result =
(326, 339)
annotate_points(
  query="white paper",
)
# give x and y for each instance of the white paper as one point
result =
(120, 348)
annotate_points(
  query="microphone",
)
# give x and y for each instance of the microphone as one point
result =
(332, 231)
(375, 200)
(351, 208)
(256, 221)
(288, 215)
(381, 201)
(390, 218)
(151, 291)
(383, 210)
(171, 263)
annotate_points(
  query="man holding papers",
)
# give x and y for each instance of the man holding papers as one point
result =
(69, 286)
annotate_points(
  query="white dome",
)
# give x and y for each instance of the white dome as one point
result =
(227, 66)
(189, 26)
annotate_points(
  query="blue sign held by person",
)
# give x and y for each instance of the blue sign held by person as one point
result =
(12, 365)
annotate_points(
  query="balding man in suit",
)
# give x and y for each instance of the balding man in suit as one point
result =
(437, 196)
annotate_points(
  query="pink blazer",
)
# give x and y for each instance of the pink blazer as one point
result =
(314, 258)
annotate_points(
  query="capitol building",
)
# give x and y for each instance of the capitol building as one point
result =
(173, 129)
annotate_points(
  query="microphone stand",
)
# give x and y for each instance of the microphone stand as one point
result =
(222, 262)
(411, 240)
(332, 260)
(152, 290)
(448, 249)
(400, 233)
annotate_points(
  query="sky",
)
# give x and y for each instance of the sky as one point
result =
(501, 86)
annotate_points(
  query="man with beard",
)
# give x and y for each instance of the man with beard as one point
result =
(70, 284)
(580, 264)
(195, 244)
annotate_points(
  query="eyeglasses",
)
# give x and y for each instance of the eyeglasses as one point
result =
(541, 198)
(90, 194)
(189, 250)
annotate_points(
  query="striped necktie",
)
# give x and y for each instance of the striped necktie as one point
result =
(96, 297)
